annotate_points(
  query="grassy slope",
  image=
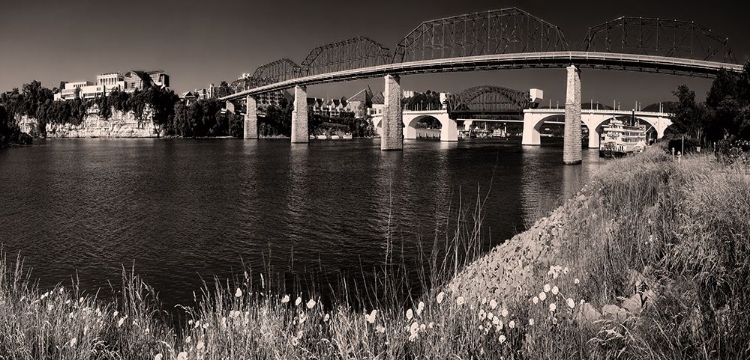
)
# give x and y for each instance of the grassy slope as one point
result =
(648, 261)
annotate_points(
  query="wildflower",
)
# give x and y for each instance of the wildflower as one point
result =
(80, 300)
(501, 339)
(205, 325)
(531, 322)
(571, 303)
(182, 356)
(460, 301)
(420, 308)
(512, 324)
(311, 304)
(50, 307)
(409, 314)
(576, 281)
(115, 314)
(542, 296)
(234, 314)
(484, 301)
(535, 300)
(73, 342)
(547, 288)
(43, 296)
(504, 313)
(414, 328)
(440, 297)
(482, 315)
(552, 307)
(493, 304)
(496, 320)
(238, 293)
(565, 270)
(67, 302)
(431, 324)
(422, 327)
(298, 301)
(371, 318)
(285, 299)
(158, 356)
(187, 339)
(555, 290)
(200, 345)
(119, 322)
(380, 329)
(325, 318)
(61, 290)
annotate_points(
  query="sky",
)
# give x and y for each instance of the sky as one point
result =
(204, 42)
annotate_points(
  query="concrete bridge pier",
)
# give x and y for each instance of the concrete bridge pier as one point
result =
(449, 130)
(531, 135)
(251, 119)
(392, 123)
(299, 116)
(572, 141)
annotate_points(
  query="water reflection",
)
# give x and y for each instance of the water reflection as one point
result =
(182, 210)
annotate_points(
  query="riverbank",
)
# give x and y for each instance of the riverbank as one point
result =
(655, 250)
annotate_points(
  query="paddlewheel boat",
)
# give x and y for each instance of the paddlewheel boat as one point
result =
(619, 139)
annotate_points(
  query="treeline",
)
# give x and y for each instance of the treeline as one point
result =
(169, 114)
(10, 133)
(429, 100)
(725, 114)
(276, 120)
(203, 118)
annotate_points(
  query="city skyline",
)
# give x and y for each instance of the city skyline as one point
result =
(203, 43)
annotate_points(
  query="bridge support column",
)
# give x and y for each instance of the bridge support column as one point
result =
(530, 131)
(299, 116)
(448, 130)
(572, 141)
(251, 119)
(393, 127)
(410, 132)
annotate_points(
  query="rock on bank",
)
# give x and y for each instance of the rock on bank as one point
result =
(119, 125)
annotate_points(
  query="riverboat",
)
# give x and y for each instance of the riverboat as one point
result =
(619, 139)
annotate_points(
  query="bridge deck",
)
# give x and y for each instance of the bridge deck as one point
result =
(597, 60)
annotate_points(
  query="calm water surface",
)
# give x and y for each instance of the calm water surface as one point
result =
(182, 210)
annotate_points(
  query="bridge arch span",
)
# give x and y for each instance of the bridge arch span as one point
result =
(448, 126)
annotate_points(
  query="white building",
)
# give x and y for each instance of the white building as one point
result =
(108, 82)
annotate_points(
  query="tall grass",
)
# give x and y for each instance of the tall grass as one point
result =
(672, 236)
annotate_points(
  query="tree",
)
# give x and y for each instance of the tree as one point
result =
(688, 115)
(728, 105)
(224, 90)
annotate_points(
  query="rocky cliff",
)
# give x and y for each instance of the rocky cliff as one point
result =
(119, 125)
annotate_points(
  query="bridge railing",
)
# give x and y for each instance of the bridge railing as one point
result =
(511, 61)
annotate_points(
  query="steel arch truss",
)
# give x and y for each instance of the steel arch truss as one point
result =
(488, 100)
(344, 55)
(277, 71)
(248, 83)
(658, 37)
(503, 31)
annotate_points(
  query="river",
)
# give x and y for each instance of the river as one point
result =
(183, 210)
